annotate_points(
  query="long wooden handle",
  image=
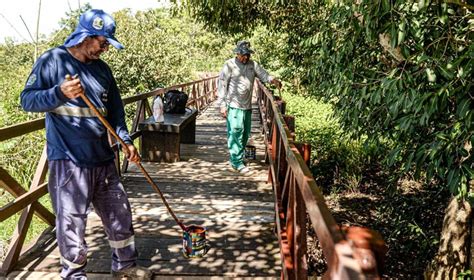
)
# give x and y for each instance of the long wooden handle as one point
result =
(139, 165)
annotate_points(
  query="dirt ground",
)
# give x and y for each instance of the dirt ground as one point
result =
(409, 217)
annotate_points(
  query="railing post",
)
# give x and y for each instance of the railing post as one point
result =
(273, 155)
(281, 106)
(284, 193)
(269, 120)
(194, 95)
(299, 250)
(290, 122)
(17, 241)
(282, 163)
(305, 150)
(214, 88)
(290, 231)
(206, 92)
(198, 99)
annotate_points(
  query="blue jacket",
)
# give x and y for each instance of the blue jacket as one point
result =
(72, 130)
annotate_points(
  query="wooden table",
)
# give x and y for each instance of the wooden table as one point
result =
(160, 142)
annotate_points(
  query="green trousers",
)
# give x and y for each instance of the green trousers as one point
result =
(238, 132)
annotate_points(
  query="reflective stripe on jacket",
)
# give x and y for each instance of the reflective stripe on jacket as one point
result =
(78, 111)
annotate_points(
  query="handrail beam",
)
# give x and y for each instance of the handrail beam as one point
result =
(21, 129)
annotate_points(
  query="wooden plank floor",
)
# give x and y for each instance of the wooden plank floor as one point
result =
(202, 189)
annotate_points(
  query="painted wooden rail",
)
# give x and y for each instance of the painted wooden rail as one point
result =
(351, 253)
(200, 93)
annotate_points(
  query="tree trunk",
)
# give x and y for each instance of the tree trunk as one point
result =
(453, 253)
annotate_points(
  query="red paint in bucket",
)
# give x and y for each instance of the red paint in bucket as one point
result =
(195, 244)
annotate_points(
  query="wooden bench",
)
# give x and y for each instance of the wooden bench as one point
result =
(160, 142)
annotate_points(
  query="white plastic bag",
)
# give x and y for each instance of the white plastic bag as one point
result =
(158, 113)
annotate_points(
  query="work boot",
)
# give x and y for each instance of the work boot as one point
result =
(135, 272)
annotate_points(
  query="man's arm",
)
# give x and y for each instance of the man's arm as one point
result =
(222, 86)
(42, 93)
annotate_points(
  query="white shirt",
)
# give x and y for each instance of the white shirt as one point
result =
(235, 84)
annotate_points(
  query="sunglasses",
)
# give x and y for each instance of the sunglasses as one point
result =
(102, 43)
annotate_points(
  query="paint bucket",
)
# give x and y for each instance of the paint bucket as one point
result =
(194, 242)
(250, 152)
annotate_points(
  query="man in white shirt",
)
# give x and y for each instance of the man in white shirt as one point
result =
(235, 90)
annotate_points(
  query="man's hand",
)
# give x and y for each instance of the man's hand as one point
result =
(71, 87)
(131, 152)
(224, 112)
(277, 83)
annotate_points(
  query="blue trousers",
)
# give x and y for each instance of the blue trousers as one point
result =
(72, 190)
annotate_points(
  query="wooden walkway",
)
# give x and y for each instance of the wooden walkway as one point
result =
(237, 210)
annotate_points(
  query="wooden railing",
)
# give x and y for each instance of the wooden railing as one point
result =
(200, 93)
(351, 253)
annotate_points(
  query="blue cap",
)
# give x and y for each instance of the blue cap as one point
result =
(94, 23)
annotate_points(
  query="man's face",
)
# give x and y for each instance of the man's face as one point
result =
(244, 58)
(95, 46)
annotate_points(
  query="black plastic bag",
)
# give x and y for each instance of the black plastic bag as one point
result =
(174, 102)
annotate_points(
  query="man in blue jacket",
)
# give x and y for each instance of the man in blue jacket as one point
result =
(81, 162)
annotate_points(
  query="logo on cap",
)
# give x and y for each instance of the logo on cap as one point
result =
(98, 23)
(31, 80)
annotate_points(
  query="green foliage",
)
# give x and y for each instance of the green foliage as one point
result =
(401, 100)
(397, 71)
(244, 15)
(267, 47)
(14, 68)
(467, 274)
(380, 93)
(338, 161)
(161, 50)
